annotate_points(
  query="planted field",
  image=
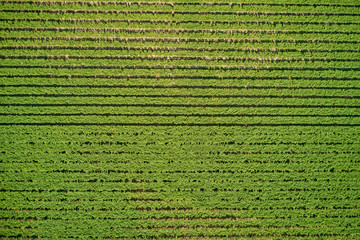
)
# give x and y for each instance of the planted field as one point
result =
(180, 120)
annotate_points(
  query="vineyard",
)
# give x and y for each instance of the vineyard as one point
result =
(180, 119)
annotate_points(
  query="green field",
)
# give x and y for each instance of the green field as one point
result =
(180, 119)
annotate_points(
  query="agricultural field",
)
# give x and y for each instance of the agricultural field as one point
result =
(180, 119)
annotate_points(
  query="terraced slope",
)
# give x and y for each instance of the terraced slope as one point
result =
(186, 119)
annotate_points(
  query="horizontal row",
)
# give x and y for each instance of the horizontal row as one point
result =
(218, 133)
(170, 76)
(175, 22)
(127, 143)
(134, 180)
(196, 172)
(145, 30)
(177, 125)
(228, 218)
(174, 96)
(220, 13)
(177, 105)
(40, 2)
(181, 115)
(169, 58)
(127, 162)
(224, 67)
(180, 153)
(177, 40)
(190, 50)
(184, 234)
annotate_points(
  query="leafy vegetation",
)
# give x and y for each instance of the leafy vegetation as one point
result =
(180, 119)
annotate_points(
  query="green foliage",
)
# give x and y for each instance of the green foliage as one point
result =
(186, 119)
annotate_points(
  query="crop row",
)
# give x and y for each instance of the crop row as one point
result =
(198, 94)
(229, 75)
(191, 71)
(158, 154)
(267, 89)
(46, 55)
(81, 120)
(216, 173)
(330, 157)
(179, 115)
(246, 221)
(174, 22)
(295, 213)
(215, 103)
(172, 96)
(185, 233)
(171, 86)
(176, 204)
(227, 183)
(144, 30)
(168, 114)
(208, 133)
(176, 124)
(28, 150)
(246, 114)
(28, 182)
(270, 154)
(181, 63)
(278, 52)
(231, 4)
(245, 86)
(212, 53)
(80, 88)
(212, 135)
(289, 73)
(223, 46)
(129, 163)
(177, 40)
(171, 13)
(344, 174)
(147, 21)
(182, 105)
(208, 217)
(150, 199)
(192, 77)
(182, 26)
(223, 67)
(211, 37)
(164, 211)
(200, 52)
(191, 20)
(182, 144)
(124, 55)
(195, 187)
(169, 58)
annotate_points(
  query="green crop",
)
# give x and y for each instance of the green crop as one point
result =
(179, 119)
